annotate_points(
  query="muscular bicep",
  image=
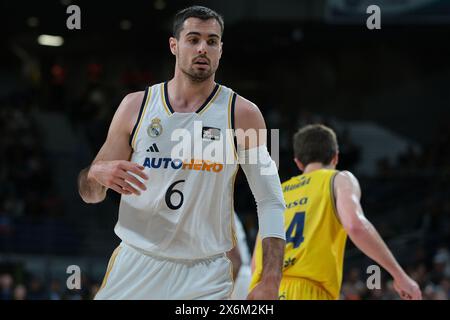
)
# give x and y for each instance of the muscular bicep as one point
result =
(250, 126)
(348, 195)
(116, 145)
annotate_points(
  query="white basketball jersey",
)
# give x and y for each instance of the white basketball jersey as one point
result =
(190, 159)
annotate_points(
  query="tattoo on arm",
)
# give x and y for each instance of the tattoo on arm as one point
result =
(273, 254)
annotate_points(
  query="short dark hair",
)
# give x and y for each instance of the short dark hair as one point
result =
(200, 12)
(315, 143)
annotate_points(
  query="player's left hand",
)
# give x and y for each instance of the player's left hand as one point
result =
(264, 290)
(407, 288)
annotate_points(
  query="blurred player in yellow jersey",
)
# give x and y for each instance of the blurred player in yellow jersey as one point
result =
(322, 208)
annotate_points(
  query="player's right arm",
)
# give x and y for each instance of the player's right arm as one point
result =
(111, 167)
(266, 189)
(364, 235)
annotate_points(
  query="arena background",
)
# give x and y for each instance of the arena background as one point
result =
(386, 93)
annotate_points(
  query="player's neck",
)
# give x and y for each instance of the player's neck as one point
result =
(185, 94)
(316, 166)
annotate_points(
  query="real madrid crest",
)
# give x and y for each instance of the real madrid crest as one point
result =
(155, 129)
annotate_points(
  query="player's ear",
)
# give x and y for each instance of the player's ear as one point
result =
(299, 164)
(173, 45)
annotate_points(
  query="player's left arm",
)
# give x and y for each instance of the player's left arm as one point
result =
(365, 236)
(264, 182)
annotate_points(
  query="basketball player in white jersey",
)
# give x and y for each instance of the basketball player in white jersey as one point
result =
(176, 210)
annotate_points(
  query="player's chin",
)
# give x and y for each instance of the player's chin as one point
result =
(201, 75)
(201, 69)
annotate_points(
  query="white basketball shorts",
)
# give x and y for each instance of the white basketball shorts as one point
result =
(133, 275)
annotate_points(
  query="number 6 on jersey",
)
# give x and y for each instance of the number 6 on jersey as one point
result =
(170, 191)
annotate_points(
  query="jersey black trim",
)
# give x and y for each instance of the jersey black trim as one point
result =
(166, 98)
(233, 104)
(213, 93)
(133, 132)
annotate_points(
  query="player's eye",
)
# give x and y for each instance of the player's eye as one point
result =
(212, 42)
(193, 40)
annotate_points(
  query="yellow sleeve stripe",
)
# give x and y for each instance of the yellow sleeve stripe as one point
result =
(141, 116)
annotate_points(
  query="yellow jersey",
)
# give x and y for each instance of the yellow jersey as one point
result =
(315, 238)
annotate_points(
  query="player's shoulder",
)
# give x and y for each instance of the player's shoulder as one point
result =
(131, 103)
(134, 98)
(345, 179)
(245, 107)
(345, 175)
(247, 115)
(128, 110)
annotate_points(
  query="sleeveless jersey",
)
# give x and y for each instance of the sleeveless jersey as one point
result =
(315, 238)
(191, 161)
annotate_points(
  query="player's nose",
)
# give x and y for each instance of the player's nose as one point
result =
(202, 47)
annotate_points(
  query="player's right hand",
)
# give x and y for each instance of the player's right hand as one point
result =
(407, 288)
(264, 291)
(116, 175)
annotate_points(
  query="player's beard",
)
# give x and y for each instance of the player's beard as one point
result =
(198, 75)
